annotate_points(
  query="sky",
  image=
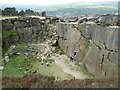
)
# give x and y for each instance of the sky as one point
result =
(46, 2)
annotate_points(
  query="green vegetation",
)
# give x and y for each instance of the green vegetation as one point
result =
(5, 34)
(15, 67)
(59, 50)
(118, 65)
(11, 11)
(5, 48)
(53, 71)
(78, 9)
(117, 23)
(43, 14)
(5, 38)
(82, 67)
(18, 66)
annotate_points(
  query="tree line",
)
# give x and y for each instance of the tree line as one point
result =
(11, 11)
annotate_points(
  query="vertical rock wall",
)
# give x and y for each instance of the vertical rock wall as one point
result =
(95, 46)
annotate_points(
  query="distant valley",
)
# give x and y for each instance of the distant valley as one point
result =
(73, 9)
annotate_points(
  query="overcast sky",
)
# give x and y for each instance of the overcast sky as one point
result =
(47, 2)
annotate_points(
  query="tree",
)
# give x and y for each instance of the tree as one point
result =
(29, 12)
(21, 13)
(43, 14)
(10, 11)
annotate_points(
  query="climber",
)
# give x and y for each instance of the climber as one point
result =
(71, 58)
(75, 52)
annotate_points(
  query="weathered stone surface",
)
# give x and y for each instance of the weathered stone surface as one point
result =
(95, 44)
(112, 39)
(7, 25)
(93, 61)
(100, 35)
(28, 29)
(114, 58)
(61, 30)
(110, 69)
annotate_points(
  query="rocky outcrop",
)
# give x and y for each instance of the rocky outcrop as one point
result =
(27, 29)
(95, 46)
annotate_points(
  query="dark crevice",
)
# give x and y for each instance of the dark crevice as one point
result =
(102, 61)
(97, 46)
(108, 57)
(105, 73)
(108, 49)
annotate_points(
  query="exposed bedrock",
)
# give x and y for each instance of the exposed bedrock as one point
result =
(93, 45)
(31, 30)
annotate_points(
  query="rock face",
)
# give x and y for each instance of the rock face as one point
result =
(27, 29)
(93, 45)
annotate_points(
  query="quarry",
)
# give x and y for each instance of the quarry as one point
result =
(62, 53)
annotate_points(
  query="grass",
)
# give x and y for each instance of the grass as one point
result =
(5, 48)
(5, 38)
(82, 67)
(17, 65)
(12, 68)
(5, 34)
(59, 50)
(52, 70)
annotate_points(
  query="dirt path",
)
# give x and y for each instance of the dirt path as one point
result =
(60, 60)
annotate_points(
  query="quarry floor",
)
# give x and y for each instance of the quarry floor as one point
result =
(62, 68)
(60, 60)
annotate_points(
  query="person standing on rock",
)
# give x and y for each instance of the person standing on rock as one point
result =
(71, 58)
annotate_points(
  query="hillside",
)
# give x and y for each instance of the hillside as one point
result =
(72, 9)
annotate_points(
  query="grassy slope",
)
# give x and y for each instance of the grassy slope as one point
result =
(12, 68)
(52, 70)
